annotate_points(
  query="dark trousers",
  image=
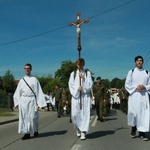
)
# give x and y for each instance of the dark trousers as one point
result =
(99, 105)
(48, 106)
(58, 107)
(97, 108)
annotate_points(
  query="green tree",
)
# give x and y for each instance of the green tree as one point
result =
(50, 86)
(48, 83)
(119, 84)
(106, 82)
(44, 80)
(63, 73)
(123, 82)
(8, 82)
(113, 83)
(1, 86)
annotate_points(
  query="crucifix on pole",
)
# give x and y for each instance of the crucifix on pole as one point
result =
(78, 24)
(78, 30)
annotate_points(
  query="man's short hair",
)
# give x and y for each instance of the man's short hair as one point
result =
(137, 57)
(28, 65)
(80, 61)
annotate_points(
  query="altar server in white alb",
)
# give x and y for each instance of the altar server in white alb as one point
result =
(138, 85)
(80, 116)
(28, 97)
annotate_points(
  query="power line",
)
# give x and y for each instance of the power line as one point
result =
(30, 37)
(146, 55)
(145, 62)
(47, 32)
(112, 9)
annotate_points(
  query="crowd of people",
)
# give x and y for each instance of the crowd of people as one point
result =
(59, 100)
(81, 97)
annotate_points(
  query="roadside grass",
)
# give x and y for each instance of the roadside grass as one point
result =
(6, 112)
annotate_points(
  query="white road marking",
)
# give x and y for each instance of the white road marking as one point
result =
(94, 122)
(91, 118)
(76, 147)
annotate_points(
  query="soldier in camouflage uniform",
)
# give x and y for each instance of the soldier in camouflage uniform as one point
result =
(64, 102)
(101, 99)
(69, 96)
(123, 94)
(58, 99)
(68, 102)
(106, 103)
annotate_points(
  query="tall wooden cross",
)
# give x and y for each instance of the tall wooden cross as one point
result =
(78, 24)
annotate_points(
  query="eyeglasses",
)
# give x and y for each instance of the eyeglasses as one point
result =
(139, 60)
(26, 68)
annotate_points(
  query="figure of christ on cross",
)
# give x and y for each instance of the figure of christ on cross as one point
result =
(78, 25)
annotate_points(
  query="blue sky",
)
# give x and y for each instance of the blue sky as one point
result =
(117, 31)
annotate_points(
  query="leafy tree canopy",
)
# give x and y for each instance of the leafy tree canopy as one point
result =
(117, 83)
(64, 72)
(8, 82)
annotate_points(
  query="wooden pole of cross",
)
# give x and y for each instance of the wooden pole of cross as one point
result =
(78, 24)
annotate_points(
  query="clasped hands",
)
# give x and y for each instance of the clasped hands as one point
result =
(81, 76)
(140, 87)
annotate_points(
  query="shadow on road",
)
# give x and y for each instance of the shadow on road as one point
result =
(109, 119)
(98, 134)
(52, 133)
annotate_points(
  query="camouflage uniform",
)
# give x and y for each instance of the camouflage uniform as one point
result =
(101, 95)
(58, 100)
(64, 100)
(106, 103)
(123, 94)
(69, 96)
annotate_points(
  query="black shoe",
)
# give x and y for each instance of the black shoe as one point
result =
(143, 136)
(133, 132)
(36, 134)
(26, 136)
(58, 116)
(70, 121)
(98, 118)
(101, 119)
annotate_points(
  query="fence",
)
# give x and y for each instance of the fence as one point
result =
(6, 101)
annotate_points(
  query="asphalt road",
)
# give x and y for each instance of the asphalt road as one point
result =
(59, 134)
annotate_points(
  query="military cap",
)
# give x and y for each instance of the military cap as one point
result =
(98, 78)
